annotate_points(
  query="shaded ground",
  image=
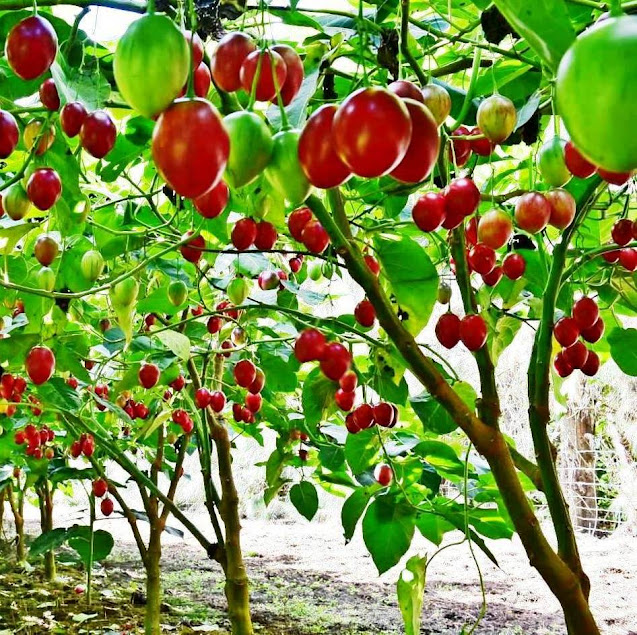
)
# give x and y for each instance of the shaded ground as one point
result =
(306, 581)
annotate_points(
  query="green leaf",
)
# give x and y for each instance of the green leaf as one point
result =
(388, 528)
(317, 397)
(361, 450)
(623, 349)
(411, 590)
(432, 527)
(79, 539)
(304, 497)
(353, 509)
(48, 541)
(412, 276)
(90, 88)
(178, 343)
(544, 24)
(433, 416)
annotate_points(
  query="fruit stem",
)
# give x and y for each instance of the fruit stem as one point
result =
(190, 91)
(151, 7)
(466, 104)
(404, 43)
(285, 122)
(616, 8)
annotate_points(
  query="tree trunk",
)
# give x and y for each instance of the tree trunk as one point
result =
(46, 525)
(237, 588)
(152, 563)
(2, 499)
(17, 507)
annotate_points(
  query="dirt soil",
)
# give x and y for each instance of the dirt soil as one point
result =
(305, 581)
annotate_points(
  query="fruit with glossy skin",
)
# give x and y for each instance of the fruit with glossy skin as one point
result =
(614, 178)
(482, 147)
(31, 47)
(284, 171)
(190, 146)
(151, 64)
(348, 381)
(460, 149)
(214, 324)
(98, 134)
(227, 58)
(266, 71)
(9, 134)
(494, 276)
(365, 313)
(107, 506)
(317, 155)
(424, 146)
(314, 237)
(238, 290)
(532, 212)
(591, 366)
(596, 93)
(383, 474)
(495, 228)
(566, 331)
(622, 232)
(44, 188)
(193, 249)
(628, 259)
(372, 264)
(444, 293)
(148, 375)
(124, 293)
(310, 346)
(141, 411)
(364, 416)
(217, 401)
(385, 415)
(437, 99)
(266, 236)
(563, 208)
(344, 399)
(40, 364)
(99, 487)
(196, 47)
(244, 373)
(406, 90)
(611, 256)
(594, 333)
(473, 332)
(259, 382)
(46, 249)
(496, 117)
(335, 361)
(268, 280)
(177, 292)
(448, 330)
(49, 94)
(251, 147)
(212, 203)
(243, 234)
(297, 221)
(202, 398)
(561, 365)
(513, 266)
(585, 312)
(576, 355)
(35, 131)
(576, 163)
(462, 198)
(482, 259)
(46, 279)
(201, 80)
(356, 128)
(253, 402)
(294, 75)
(72, 117)
(15, 201)
(552, 163)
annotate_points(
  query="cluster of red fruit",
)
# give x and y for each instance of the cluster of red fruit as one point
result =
(38, 441)
(365, 416)
(12, 388)
(248, 376)
(340, 141)
(183, 420)
(236, 62)
(246, 232)
(623, 232)
(587, 323)
(471, 330)
(201, 78)
(460, 150)
(582, 168)
(136, 409)
(216, 322)
(535, 210)
(304, 228)
(101, 390)
(84, 445)
(334, 358)
(99, 488)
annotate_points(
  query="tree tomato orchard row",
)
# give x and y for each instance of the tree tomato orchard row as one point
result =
(177, 211)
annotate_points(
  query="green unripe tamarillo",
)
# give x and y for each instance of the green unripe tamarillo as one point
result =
(92, 265)
(46, 278)
(238, 290)
(552, 164)
(124, 293)
(151, 64)
(496, 118)
(177, 292)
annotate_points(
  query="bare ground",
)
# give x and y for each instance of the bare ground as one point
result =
(305, 581)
